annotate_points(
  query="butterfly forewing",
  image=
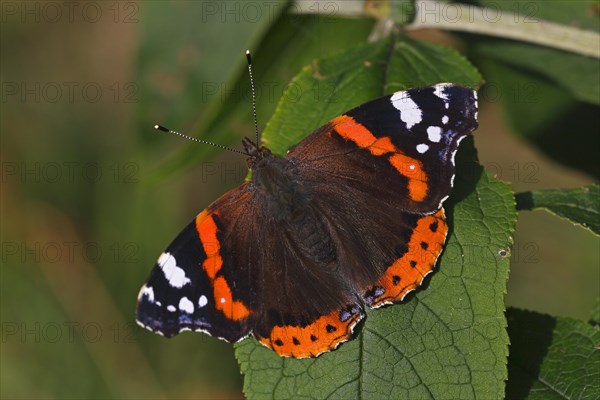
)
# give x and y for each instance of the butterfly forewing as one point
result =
(400, 146)
(188, 289)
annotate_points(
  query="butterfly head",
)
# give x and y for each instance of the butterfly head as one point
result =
(256, 154)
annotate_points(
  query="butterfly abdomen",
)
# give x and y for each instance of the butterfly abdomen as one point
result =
(310, 235)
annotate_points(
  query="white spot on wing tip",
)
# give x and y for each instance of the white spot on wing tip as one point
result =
(410, 113)
(148, 291)
(174, 274)
(202, 301)
(186, 305)
(439, 91)
(422, 148)
(171, 308)
(434, 133)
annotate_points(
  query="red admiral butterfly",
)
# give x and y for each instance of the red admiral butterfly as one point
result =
(351, 217)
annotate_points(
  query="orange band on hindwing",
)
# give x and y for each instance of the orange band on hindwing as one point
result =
(325, 334)
(407, 166)
(407, 272)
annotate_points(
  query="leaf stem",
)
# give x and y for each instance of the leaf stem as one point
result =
(504, 24)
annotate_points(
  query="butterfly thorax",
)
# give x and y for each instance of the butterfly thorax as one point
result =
(288, 202)
(273, 180)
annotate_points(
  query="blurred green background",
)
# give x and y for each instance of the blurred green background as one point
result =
(91, 194)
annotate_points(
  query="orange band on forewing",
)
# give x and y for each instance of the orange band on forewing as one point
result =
(224, 302)
(348, 128)
(409, 167)
(382, 146)
(413, 170)
(207, 231)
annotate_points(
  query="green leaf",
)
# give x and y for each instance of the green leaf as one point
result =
(448, 340)
(575, 73)
(595, 318)
(177, 81)
(544, 114)
(552, 358)
(581, 206)
(291, 42)
(549, 96)
(339, 83)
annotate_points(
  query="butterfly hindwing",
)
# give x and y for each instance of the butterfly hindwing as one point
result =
(383, 250)
(407, 272)
(307, 306)
(226, 274)
(393, 163)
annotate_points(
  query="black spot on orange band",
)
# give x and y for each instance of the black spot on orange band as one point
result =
(408, 271)
(311, 340)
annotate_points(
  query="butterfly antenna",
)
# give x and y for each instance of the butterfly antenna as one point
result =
(163, 129)
(249, 59)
